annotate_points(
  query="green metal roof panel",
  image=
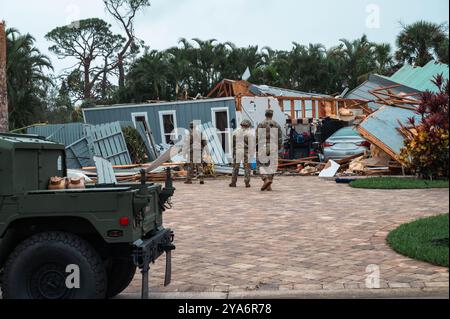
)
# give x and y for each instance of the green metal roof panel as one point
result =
(420, 78)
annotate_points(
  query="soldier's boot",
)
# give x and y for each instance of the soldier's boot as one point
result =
(188, 179)
(201, 174)
(267, 184)
(234, 176)
(189, 175)
(270, 181)
(247, 176)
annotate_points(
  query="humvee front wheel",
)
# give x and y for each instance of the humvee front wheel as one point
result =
(54, 265)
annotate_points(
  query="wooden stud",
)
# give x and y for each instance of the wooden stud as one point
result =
(4, 125)
(303, 109)
(293, 117)
(314, 112)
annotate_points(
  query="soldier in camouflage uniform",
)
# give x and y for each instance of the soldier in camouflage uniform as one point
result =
(268, 129)
(243, 150)
(193, 148)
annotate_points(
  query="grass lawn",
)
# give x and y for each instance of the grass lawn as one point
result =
(425, 239)
(398, 183)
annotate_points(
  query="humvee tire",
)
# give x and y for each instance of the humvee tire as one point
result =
(37, 269)
(120, 274)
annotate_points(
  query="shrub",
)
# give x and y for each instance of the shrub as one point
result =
(135, 145)
(426, 150)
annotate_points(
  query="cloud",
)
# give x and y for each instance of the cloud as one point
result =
(274, 23)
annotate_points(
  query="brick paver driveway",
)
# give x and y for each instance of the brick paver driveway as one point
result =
(309, 234)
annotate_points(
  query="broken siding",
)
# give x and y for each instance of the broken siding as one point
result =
(186, 112)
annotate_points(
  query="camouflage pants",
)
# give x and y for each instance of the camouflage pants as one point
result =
(193, 168)
(268, 177)
(247, 170)
(264, 167)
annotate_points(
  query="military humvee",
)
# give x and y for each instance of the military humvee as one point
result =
(71, 244)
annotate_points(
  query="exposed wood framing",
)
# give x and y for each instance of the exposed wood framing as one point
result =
(293, 115)
(387, 97)
(230, 88)
(323, 107)
(303, 109)
(4, 125)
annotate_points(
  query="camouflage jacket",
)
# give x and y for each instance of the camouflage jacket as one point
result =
(268, 125)
(244, 144)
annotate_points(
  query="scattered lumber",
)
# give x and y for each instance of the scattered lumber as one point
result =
(347, 160)
(306, 160)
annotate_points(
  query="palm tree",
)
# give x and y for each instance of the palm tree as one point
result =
(237, 60)
(421, 42)
(358, 58)
(384, 58)
(179, 69)
(148, 77)
(27, 81)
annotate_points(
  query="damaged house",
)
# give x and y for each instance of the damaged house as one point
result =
(392, 102)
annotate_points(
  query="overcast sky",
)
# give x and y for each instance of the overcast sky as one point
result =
(274, 23)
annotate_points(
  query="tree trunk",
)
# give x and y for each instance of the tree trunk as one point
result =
(121, 68)
(104, 83)
(104, 80)
(4, 122)
(87, 83)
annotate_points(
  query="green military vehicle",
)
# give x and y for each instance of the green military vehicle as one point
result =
(74, 244)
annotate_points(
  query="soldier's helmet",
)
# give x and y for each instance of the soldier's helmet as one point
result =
(246, 123)
(269, 113)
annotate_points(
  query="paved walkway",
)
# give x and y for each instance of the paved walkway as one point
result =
(307, 235)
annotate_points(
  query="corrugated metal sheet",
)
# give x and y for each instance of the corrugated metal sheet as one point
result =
(420, 78)
(186, 112)
(384, 124)
(279, 92)
(375, 82)
(65, 134)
